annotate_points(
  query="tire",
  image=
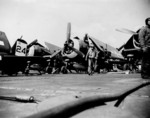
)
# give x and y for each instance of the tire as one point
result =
(64, 70)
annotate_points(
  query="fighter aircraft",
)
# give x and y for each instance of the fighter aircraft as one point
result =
(18, 57)
(49, 53)
(75, 51)
(37, 61)
(131, 49)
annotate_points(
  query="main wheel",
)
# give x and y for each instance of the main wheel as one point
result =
(64, 70)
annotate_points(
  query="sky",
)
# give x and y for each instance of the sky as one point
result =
(46, 20)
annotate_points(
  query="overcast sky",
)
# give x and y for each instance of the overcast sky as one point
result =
(46, 20)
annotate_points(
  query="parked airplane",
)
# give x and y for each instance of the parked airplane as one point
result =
(18, 57)
(36, 53)
(131, 49)
(75, 51)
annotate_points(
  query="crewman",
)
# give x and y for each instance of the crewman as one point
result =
(144, 39)
(90, 57)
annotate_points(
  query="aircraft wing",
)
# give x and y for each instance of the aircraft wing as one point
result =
(133, 42)
(53, 48)
(4, 44)
(103, 46)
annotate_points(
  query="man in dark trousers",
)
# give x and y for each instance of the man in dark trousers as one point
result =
(144, 39)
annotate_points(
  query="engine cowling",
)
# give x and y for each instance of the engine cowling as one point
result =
(68, 52)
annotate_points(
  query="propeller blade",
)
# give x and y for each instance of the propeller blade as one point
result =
(127, 31)
(68, 35)
(52, 55)
(131, 50)
(68, 31)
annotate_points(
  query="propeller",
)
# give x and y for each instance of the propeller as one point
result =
(69, 44)
(127, 31)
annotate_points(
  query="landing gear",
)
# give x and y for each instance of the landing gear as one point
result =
(64, 70)
(48, 69)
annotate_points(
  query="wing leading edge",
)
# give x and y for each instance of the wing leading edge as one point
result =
(103, 46)
(52, 47)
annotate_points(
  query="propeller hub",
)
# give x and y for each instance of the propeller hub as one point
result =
(68, 46)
